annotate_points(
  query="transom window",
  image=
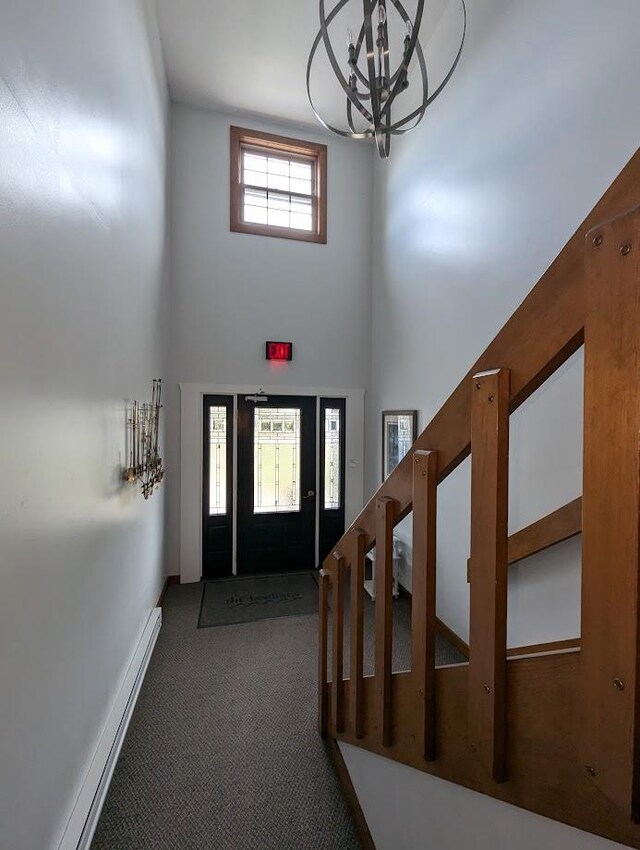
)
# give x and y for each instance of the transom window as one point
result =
(278, 186)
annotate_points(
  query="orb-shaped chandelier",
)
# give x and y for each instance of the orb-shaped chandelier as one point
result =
(373, 84)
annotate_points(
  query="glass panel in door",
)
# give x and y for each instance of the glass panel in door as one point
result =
(276, 460)
(332, 473)
(217, 486)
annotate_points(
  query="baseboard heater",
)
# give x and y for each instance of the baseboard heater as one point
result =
(83, 821)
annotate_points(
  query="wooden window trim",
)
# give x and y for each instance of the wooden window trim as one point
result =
(241, 139)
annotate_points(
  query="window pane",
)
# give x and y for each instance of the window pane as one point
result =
(255, 197)
(281, 175)
(331, 458)
(217, 460)
(255, 162)
(301, 171)
(276, 181)
(298, 205)
(262, 206)
(300, 222)
(256, 178)
(278, 218)
(278, 166)
(279, 202)
(302, 187)
(276, 481)
(255, 215)
(278, 189)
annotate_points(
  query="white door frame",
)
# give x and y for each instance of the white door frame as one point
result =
(191, 465)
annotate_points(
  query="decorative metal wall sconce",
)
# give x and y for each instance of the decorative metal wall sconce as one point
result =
(143, 426)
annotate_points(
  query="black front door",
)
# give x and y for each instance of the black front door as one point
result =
(276, 484)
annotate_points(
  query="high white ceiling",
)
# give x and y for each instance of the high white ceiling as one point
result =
(251, 56)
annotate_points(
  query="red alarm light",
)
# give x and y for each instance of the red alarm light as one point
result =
(279, 351)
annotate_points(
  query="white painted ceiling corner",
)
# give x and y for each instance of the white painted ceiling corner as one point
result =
(245, 56)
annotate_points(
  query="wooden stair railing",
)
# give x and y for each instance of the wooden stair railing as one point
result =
(554, 730)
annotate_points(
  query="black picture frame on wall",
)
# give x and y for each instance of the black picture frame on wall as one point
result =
(399, 432)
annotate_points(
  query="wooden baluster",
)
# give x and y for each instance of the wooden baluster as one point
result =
(488, 616)
(323, 646)
(337, 601)
(385, 515)
(423, 607)
(358, 551)
(610, 733)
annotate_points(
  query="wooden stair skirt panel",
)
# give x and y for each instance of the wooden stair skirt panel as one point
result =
(553, 728)
(545, 773)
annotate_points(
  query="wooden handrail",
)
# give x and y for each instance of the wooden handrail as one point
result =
(540, 336)
(556, 527)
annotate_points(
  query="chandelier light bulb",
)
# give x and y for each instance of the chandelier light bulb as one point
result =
(378, 77)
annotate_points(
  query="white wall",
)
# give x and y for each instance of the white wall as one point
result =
(82, 306)
(406, 809)
(233, 291)
(540, 117)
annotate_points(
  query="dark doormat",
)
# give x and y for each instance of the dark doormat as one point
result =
(244, 600)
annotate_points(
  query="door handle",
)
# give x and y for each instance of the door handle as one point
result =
(309, 494)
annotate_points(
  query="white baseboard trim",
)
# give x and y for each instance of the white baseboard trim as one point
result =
(83, 821)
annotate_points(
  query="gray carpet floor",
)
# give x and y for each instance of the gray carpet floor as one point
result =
(222, 752)
(401, 643)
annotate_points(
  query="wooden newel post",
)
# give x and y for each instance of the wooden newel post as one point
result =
(611, 507)
(488, 573)
(337, 601)
(323, 643)
(385, 516)
(423, 606)
(358, 550)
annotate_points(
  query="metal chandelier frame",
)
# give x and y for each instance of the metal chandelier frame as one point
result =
(383, 87)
